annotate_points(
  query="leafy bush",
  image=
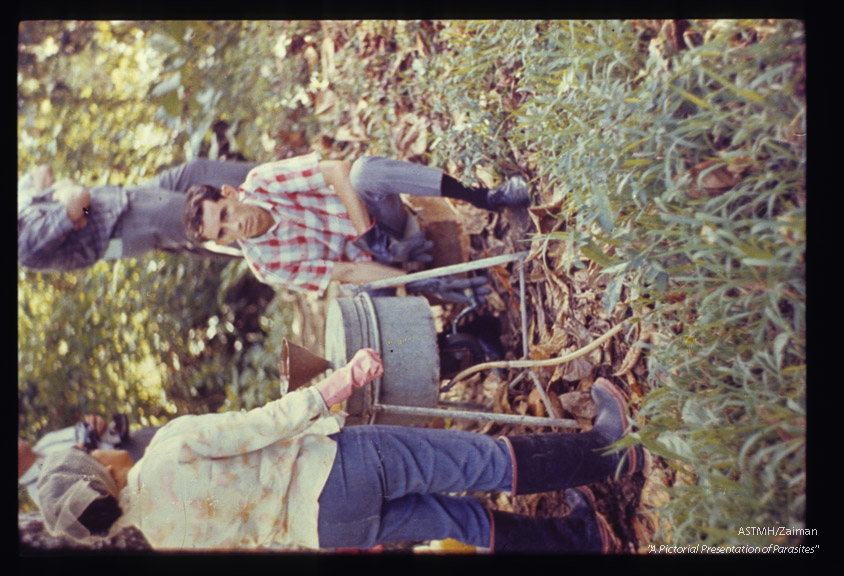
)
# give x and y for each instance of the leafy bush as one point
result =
(680, 169)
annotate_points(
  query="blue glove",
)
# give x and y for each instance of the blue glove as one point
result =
(389, 250)
(453, 290)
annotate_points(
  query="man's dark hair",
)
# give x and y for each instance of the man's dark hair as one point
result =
(196, 196)
(100, 515)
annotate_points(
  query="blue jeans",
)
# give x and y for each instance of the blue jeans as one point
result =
(379, 181)
(392, 484)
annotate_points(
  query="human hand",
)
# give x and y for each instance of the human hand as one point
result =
(364, 367)
(77, 200)
(454, 290)
(412, 249)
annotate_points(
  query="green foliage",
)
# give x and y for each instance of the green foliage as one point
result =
(115, 102)
(615, 129)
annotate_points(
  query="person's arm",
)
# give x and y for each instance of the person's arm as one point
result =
(231, 433)
(42, 229)
(363, 272)
(336, 175)
(201, 171)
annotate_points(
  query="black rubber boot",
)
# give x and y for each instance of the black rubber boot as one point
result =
(550, 462)
(513, 192)
(581, 531)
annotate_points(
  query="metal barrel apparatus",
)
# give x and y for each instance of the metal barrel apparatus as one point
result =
(403, 332)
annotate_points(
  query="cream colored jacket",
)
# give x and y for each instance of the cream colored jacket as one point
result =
(236, 480)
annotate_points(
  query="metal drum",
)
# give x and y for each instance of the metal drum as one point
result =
(402, 330)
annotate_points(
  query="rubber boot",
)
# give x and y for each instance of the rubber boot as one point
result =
(551, 462)
(514, 192)
(581, 531)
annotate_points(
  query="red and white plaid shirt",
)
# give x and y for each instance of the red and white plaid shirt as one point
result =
(312, 228)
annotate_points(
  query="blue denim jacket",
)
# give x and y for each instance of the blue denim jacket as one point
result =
(47, 240)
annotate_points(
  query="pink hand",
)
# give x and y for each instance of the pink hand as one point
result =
(365, 367)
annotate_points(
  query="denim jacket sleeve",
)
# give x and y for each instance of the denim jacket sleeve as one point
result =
(42, 228)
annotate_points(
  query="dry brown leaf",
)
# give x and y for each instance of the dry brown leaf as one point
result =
(772, 420)
(485, 176)
(539, 323)
(409, 136)
(535, 405)
(633, 384)
(673, 31)
(644, 529)
(544, 349)
(497, 246)
(583, 337)
(324, 101)
(579, 403)
(714, 182)
(575, 370)
(474, 220)
(294, 141)
(521, 161)
(350, 133)
(503, 503)
(559, 301)
(531, 502)
(556, 406)
(545, 217)
(520, 405)
(311, 57)
(634, 352)
(436, 422)
(500, 403)
(327, 58)
(654, 493)
(420, 45)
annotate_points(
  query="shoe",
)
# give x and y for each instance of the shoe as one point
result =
(558, 461)
(583, 530)
(513, 192)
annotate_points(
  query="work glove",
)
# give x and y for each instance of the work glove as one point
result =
(364, 367)
(389, 250)
(453, 290)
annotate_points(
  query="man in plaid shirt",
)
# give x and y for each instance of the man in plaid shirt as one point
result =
(303, 222)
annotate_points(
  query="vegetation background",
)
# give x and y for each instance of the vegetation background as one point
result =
(671, 159)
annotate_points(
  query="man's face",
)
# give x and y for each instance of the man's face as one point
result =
(228, 219)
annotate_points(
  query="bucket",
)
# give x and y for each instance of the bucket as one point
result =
(402, 330)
